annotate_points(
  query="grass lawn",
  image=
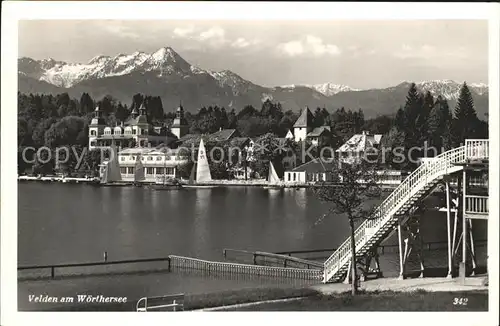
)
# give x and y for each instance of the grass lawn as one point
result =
(200, 301)
(315, 301)
(382, 301)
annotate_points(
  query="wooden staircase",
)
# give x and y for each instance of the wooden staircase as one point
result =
(398, 206)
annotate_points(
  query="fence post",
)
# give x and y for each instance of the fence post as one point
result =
(284, 262)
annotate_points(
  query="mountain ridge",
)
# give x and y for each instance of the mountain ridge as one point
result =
(166, 74)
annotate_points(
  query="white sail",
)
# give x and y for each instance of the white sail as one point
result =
(112, 169)
(273, 176)
(138, 170)
(202, 169)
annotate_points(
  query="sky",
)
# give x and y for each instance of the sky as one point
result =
(361, 54)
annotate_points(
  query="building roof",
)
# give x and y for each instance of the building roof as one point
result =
(239, 141)
(219, 136)
(142, 119)
(305, 119)
(314, 166)
(223, 135)
(316, 132)
(360, 142)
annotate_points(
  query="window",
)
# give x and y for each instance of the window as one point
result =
(123, 170)
(158, 158)
(93, 143)
(130, 170)
(289, 176)
(150, 158)
(122, 158)
(150, 170)
(133, 131)
(92, 132)
(159, 171)
(169, 170)
(294, 176)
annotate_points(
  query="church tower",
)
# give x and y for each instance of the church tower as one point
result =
(179, 126)
(96, 128)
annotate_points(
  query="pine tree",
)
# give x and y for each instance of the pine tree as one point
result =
(400, 120)
(465, 121)
(412, 110)
(422, 127)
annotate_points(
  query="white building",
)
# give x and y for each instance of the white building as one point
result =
(303, 125)
(364, 145)
(135, 132)
(156, 162)
(313, 171)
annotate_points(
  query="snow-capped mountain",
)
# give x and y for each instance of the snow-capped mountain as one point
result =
(234, 81)
(166, 74)
(449, 89)
(165, 61)
(329, 89)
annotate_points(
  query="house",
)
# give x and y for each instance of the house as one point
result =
(364, 145)
(136, 131)
(320, 135)
(303, 125)
(310, 172)
(304, 129)
(157, 163)
(242, 147)
(220, 136)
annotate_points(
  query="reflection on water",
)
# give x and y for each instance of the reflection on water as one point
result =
(61, 223)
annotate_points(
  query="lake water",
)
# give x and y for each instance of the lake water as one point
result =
(72, 223)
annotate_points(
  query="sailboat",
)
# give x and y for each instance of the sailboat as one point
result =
(111, 175)
(138, 172)
(273, 179)
(201, 169)
(165, 184)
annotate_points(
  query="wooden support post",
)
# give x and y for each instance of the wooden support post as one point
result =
(472, 250)
(169, 264)
(448, 213)
(52, 272)
(463, 264)
(254, 259)
(349, 270)
(400, 241)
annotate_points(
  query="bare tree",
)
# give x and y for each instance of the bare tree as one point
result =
(352, 184)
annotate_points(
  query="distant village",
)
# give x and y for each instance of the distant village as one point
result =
(165, 152)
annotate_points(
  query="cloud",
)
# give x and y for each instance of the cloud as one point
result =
(120, 30)
(427, 52)
(241, 43)
(183, 32)
(308, 46)
(214, 35)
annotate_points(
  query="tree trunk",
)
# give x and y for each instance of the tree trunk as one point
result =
(353, 262)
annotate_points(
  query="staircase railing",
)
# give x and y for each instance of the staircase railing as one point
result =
(415, 182)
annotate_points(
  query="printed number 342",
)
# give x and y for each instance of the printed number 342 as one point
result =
(460, 301)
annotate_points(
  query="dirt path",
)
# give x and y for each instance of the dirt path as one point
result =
(395, 284)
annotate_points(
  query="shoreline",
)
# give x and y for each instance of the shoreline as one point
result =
(215, 183)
